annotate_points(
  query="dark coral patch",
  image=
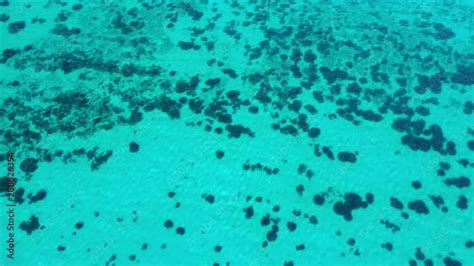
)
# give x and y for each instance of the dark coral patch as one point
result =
(396, 203)
(185, 45)
(4, 17)
(79, 225)
(168, 224)
(318, 199)
(416, 144)
(464, 75)
(180, 230)
(351, 202)
(248, 212)
(470, 145)
(4, 184)
(63, 30)
(314, 132)
(219, 154)
(31, 225)
(133, 147)
(77, 7)
(40, 195)
(291, 226)
(7, 54)
(442, 32)
(15, 27)
(459, 182)
(451, 262)
(462, 203)
(100, 159)
(418, 206)
(348, 157)
(209, 198)
(416, 184)
(388, 246)
(18, 195)
(235, 131)
(332, 76)
(469, 244)
(230, 72)
(272, 235)
(212, 82)
(29, 165)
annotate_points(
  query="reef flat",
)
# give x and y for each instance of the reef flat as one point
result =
(239, 132)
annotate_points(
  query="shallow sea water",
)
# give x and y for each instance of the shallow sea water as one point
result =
(238, 132)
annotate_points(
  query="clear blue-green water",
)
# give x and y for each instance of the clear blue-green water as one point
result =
(238, 132)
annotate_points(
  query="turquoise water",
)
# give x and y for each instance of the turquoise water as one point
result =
(238, 132)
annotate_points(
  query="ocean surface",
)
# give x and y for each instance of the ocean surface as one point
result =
(223, 132)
